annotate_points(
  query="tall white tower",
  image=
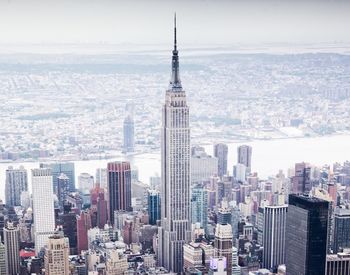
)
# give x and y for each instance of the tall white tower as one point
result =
(43, 206)
(273, 237)
(175, 228)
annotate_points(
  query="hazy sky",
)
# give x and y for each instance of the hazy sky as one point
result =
(150, 21)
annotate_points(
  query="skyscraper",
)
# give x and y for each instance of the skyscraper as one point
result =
(128, 130)
(2, 258)
(83, 225)
(175, 228)
(66, 168)
(199, 209)
(224, 214)
(341, 238)
(236, 269)
(2, 219)
(99, 206)
(338, 264)
(245, 156)
(273, 235)
(101, 177)
(43, 206)
(85, 182)
(56, 255)
(62, 189)
(220, 152)
(223, 244)
(306, 235)
(11, 241)
(16, 183)
(119, 187)
(203, 166)
(301, 181)
(67, 221)
(193, 257)
(239, 172)
(153, 206)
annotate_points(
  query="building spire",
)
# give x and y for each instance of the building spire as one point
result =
(175, 42)
(175, 82)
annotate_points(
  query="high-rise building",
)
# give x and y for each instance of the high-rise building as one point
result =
(66, 168)
(338, 264)
(239, 172)
(128, 129)
(341, 237)
(68, 222)
(11, 241)
(2, 219)
(155, 182)
(203, 166)
(224, 215)
(99, 206)
(199, 206)
(56, 258)
(301, 181)
(43, 206)
(273, 235)
(193, 256)
(2, 258)
(62, 189)
(153, 206)
(223, 244)
(16, 183)
(101, 177)
(245, 156)
(85, 182)
(236, 269)
(175, 228)
(127, 232)
(324, 195)
(116, 263)
(235, 219)
(83, 225)
(306, 235)
(220, 152)
(119, 187)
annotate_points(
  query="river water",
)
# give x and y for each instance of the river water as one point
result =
(268, 157)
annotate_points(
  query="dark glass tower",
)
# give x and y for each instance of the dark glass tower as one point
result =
(62, 189)
(306, 235)
(153, 206)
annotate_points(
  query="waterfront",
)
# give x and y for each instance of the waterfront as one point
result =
(268, 157)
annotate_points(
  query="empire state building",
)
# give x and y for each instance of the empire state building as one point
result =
(175, 228)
